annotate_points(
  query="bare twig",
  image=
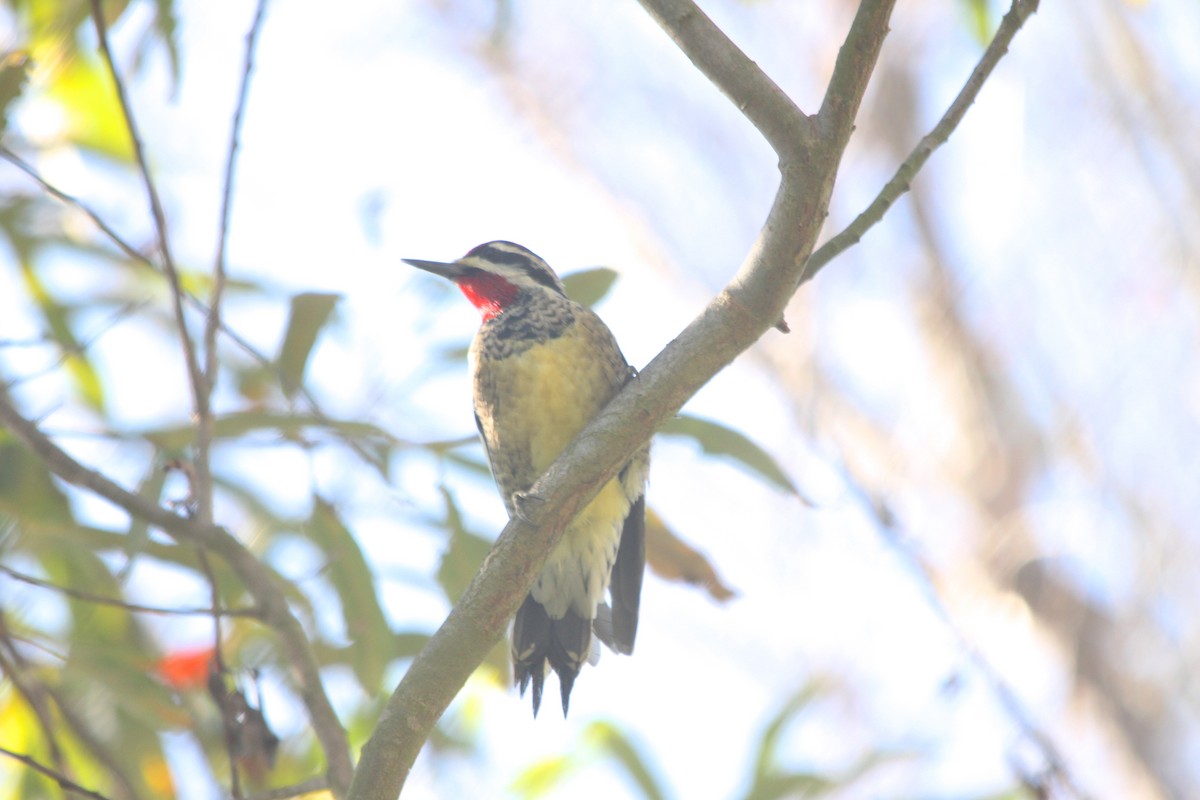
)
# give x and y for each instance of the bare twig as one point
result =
(258, 580)
(200, 395)
(310, 786)
(62, 780)
(204, 417)
(769, 109)
(13, 667)
(100, 750)
(76, 203)
(892, 534)
(1018, 13)
(221, 669)
(37, 692)
(88, 597)
(214, 306)
(199, 305)
(67, 349)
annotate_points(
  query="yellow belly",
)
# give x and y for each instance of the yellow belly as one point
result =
(531, 405)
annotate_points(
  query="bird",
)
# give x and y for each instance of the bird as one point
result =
(542, 366)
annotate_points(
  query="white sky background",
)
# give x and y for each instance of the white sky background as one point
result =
(377, 132)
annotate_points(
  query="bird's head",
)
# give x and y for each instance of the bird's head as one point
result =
(493, 276)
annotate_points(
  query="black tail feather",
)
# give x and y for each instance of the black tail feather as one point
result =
(537, 639)
(626, 586)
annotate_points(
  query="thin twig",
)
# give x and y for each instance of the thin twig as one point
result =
(310, 786)
(214, 309)
(199, 305)
(66, 783)
(79, 205)
(212, 323)
(36, 692)
(235, 787)
(195, 375)
(88, 597)
(756, 95)
(893, 536)
(262, 585)
(13, 667)
(67, 350)
(1018, 13)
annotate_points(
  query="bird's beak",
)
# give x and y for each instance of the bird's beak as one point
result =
(451, 271)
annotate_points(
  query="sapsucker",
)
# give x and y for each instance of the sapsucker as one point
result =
(543, 366)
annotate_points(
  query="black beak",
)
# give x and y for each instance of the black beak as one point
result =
(451, 271)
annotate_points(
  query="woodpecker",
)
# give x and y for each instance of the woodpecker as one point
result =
(542, 367)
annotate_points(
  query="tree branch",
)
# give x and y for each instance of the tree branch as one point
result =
(214, 306)
(212, 323)
(259, 582)
(116, 602)
(735, 319)
(777, 117)
(66, 783)
(76, 203)
(895, 539)
(310, 786)
(192, 362)
(1018, 13)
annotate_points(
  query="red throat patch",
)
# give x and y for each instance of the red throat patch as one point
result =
(490, 293)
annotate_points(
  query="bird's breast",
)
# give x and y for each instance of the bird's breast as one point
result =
(532, 400)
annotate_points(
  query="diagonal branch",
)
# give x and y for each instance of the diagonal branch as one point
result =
(76, 203)
(748, 307)
(212, 323)
(196, 379)
(214, 306)
(777, 117)
(889, 529)
(63, 781)
(116, 602)
(258, 580)
(1018, 13)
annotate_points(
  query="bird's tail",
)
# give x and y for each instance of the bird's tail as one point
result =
(537, 639)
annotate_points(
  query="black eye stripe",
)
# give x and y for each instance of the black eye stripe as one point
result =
(500, 253)
(514, 255)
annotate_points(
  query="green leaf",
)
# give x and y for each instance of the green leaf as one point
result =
(310, 312)
(769, 782)
(616, 744)
(465, 460)
(83, 90)
(14, 73)
(980, 21)
(166, 25)
(354, 583)
(768, 744)
(589, 286)
(542, 777)
(27, 492)
(599, 740)
(58, 320)
(463, 554)
(286, 426)
(717, 440)
(793, 784)
(138, 534)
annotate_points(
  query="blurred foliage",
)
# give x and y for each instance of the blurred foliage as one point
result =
(310, 311)
(97, 684)
(716, 439)
(94, 688)
(600, 741)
